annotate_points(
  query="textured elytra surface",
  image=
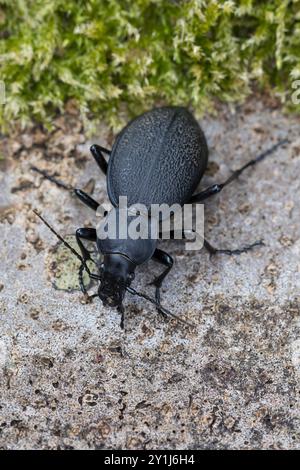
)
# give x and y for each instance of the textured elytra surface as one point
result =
(158, 158)
(69, 378)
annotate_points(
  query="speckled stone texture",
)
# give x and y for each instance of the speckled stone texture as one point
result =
(70, 378)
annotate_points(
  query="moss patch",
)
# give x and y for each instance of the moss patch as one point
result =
(110, 56)
(63, 267)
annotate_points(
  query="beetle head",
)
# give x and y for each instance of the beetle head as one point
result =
(116, 273)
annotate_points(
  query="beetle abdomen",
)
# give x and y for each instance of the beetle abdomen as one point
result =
(158, 158)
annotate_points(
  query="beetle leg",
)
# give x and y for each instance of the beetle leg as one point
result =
(81, 283)
(52, 178)
(84, 197)
(216, 188)
(213, 251)
(121, 309)
(96, 151)
(87, 234)
(164, 258)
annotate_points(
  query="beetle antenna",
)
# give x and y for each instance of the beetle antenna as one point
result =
(67, 245)
(132, 291)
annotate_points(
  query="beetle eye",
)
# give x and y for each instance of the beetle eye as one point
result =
(101, 267)
(131, 276)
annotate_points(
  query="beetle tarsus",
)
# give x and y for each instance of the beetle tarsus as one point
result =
(159, 307)
(52, 178)
(214, 251)
(81, 282)
(132, 291)
(82, 195)
(163, 258)
(121, 309)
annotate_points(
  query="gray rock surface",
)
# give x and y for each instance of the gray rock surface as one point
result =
(70, 378)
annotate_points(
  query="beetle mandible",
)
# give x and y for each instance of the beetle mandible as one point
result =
(159, 157)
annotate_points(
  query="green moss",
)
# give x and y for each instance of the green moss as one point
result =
(63, 267)
(117, 56)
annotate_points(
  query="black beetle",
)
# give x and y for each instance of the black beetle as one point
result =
(159, 157)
